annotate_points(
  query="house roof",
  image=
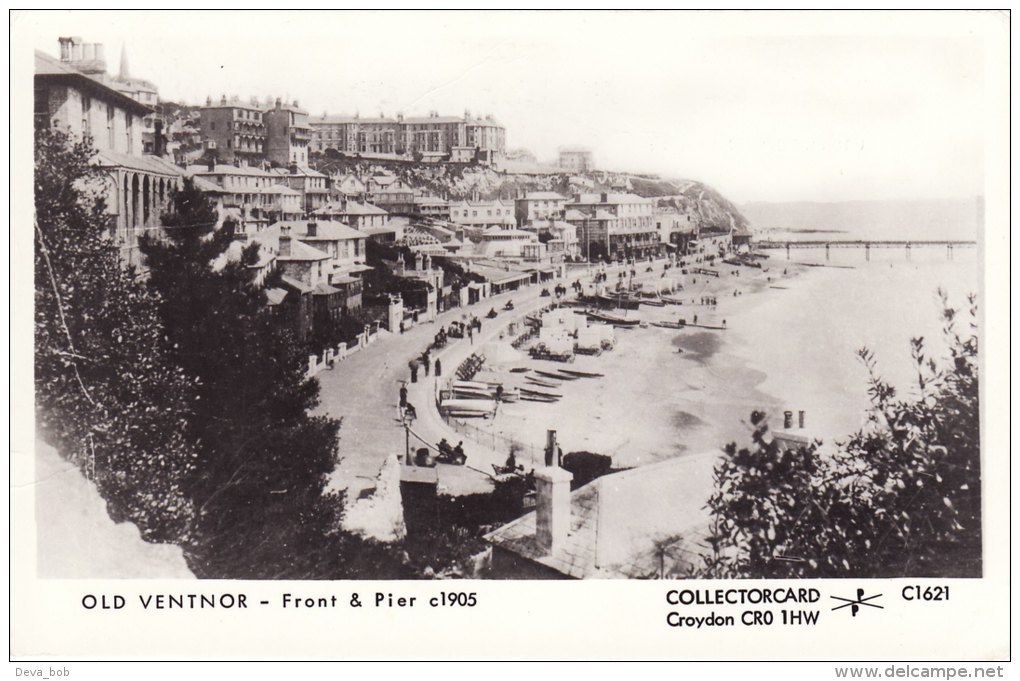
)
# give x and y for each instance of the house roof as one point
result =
(326, 230)
(544, 196)
(623, 524)
(205, 185)
(418, 120)
(295, 284)
(148, 164)
(225, 169)
(342, 118)
(611, 198)
(324, 290)
(49, 68)
(355, 208)
(299, 251)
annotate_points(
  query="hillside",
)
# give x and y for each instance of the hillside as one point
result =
(457, 181)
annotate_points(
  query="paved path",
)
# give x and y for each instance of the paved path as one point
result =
(363, 391)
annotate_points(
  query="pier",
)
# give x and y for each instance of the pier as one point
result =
(907, 246)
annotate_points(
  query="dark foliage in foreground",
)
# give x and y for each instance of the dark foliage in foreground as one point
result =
(109, 395)
(901, 497)
(262, 460)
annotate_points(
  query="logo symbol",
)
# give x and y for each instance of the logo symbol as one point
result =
(855, 603)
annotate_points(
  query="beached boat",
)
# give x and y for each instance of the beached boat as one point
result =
(475, 385)
(553, 374)
(520, 370)
(671, 301)
(653, 303)
(668, 325)
(613, 319)
(468, 407)
(472, 394)
(582, 374)
(539, 398)
(526, 392)
(622, 301)
(543, 382)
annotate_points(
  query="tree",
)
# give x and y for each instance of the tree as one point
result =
(901, 497)
(108, 394)
(262, 460)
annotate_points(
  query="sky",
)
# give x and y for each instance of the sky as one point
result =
(763, 107)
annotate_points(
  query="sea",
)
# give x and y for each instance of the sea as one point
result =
(850, 301)
(791, 345)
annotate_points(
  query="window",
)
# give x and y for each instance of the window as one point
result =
(212, 125)
(42, 108)
(109, 126)
(86, 115)
(129, 124)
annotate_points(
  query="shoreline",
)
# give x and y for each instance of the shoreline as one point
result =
(711, 391)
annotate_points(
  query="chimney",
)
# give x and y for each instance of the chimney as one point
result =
(65, 48)
(552, 508)
(159, 141)
(313, 228)
(284, 241)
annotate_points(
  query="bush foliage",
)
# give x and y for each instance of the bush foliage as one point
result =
(902, 497)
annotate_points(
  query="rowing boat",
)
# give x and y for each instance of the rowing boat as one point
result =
(553, 374)
(582, 374)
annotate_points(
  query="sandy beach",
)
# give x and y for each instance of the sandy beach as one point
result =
(674, 403)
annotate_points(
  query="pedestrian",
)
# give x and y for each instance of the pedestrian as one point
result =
(413, 366)
(425, 363)
(695, 319)
(403, 397)
(471, 334)
(439, 368)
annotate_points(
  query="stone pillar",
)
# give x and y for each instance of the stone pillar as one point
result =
(552, 508)
(395, 313)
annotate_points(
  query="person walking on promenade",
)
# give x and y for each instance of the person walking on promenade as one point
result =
(413, 366)
(403, 398)
(426, 361)
(439, 368)
(471, 334)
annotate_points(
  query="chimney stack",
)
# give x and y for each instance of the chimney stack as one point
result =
(284, 241)
(313, 228)
(552, 508)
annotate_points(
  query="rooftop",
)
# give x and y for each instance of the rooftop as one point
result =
(544, 196)
(326, 230)
(630, 524)
(589, 199)
(48, 67)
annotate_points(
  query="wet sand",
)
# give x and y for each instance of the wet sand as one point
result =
(653, 402)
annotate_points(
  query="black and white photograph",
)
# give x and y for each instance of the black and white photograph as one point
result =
(517, 295)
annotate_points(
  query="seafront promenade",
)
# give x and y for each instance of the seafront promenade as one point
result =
(363, 390)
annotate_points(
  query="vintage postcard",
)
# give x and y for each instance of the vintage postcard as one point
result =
(487, 335)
